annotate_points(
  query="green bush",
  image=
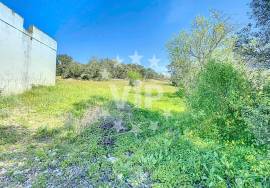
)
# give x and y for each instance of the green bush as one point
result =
(45, 132)
(219, 96)
(133, 77)
(181, 91)
(73, 70)
(62, 63)
(258, 116)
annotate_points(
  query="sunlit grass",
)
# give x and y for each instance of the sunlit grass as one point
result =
(61, 98)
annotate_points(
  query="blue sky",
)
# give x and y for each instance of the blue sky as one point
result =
(107, 28)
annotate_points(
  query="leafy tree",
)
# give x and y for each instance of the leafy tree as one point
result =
(120, 72)
(94, 70)
(62, 62)
(254, 40)
(207, 37)
(253, 44)
(73, 70)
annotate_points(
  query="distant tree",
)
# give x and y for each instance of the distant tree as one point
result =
(62, 62)
(94, 69)
(100, 69)
(120, 71)
(73, 70)
(150, 74)
(254, 40)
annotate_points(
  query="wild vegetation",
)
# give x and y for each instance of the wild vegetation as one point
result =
(77, 134)
(223, 85)
(209, 130)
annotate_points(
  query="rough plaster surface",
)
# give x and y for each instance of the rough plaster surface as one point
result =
(27, 57)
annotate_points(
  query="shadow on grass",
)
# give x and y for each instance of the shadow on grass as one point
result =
(172, 95)
(11, 134)
(168, 95)
(80, 107)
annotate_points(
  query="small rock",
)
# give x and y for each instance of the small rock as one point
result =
(58, 172)
(120, 176)
(112, 159)
(3, 171)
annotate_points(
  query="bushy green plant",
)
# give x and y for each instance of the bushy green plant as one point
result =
(181, 91)
(73, 70)
(133, 77)
(258, 115)
(92, 71)
(45, 132)
(221, 92)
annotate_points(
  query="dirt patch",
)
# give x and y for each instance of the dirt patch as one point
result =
(113, 124)
(107, 123)
(91, 116)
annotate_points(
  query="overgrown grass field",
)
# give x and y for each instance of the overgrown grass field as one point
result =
(108, 134)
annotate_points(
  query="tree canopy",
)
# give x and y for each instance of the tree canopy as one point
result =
(254, 40)
(208, 38)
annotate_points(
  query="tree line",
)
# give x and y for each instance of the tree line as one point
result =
(101, 69)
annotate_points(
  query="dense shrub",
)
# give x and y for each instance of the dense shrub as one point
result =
(181, 91)
(73, 70)
(220, 94)
(92, 71)
(258, 115)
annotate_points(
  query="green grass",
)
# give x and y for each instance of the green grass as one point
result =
(52, 136)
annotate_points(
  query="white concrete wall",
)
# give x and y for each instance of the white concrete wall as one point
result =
(27, 57)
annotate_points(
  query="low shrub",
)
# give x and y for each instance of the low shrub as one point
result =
(133, 77)
(45, 132)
